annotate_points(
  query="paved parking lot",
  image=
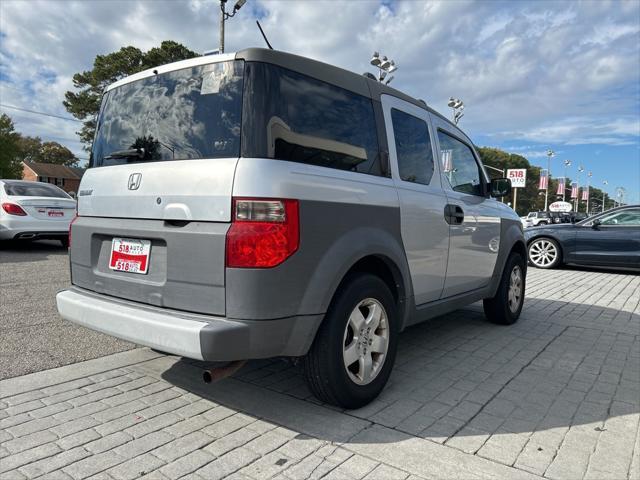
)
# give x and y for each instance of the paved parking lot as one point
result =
(32, 335)
(556, 396)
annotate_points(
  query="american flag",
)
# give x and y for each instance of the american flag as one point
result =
(574, 190)
(585, 194)
(544, 180)
(560, 186)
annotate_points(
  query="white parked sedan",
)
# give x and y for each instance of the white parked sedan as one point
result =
(34, 210)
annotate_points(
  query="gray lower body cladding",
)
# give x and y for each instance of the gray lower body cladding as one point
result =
(186, 265)
(333, 237)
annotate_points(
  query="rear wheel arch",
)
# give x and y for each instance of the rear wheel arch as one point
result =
(384, 268)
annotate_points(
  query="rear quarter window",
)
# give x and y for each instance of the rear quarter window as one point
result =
(293, 117)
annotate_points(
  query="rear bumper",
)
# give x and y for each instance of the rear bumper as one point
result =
(28, 227)
(200, 337)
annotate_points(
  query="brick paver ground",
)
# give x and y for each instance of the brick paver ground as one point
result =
(556, 396)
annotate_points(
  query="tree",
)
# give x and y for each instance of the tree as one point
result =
(528, 198)
(53, 152)
(9, 163)
(33, 149)
(109, 68)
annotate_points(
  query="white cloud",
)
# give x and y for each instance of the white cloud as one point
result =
(538, 71)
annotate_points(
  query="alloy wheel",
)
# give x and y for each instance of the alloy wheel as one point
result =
(515, 289)
(366, 341)
(543, 253)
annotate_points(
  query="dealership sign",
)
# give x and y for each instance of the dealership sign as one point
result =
(518, 177)
(560, 207)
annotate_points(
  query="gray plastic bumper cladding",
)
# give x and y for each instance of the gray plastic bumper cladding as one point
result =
(200, 337)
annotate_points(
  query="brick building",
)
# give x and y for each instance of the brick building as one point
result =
(67, 178)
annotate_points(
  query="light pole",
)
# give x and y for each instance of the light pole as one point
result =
(224, 16)
(567, 163)
(550, 153)
(589, 175)
(458, 108)
(604, 194)
(580, 170)
(385, 66)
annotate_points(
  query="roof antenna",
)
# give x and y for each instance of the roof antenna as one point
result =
(264, 36)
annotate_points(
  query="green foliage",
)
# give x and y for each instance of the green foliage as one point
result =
(85, 103)
(15, 147)
(9, 163)
(529, 198)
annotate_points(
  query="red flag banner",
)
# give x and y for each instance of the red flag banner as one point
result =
(574, 190)
(560, 186)
(544, 180)
(585, 194)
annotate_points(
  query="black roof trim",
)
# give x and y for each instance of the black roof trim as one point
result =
(337, 76)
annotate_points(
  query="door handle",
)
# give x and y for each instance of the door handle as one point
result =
(453, 214)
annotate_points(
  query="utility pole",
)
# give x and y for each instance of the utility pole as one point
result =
(550, 154)
(604, 194)
(224, 16)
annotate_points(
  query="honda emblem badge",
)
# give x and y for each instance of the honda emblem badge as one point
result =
(134, 181)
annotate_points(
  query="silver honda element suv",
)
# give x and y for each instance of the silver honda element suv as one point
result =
(261, 204)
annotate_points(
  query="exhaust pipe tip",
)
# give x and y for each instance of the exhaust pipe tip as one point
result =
(219, 373)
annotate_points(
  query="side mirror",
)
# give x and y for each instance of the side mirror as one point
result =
(500, 187)
(595, 224)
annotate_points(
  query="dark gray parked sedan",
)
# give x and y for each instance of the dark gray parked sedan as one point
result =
(610, 239)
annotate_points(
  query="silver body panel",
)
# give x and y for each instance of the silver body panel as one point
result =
(425, 234)
(197, 190)
(474, 244)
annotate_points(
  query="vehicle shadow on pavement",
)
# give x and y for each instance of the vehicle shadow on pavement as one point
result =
(16, 252)
(463, 381)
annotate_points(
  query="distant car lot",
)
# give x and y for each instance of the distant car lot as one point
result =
(32, 335)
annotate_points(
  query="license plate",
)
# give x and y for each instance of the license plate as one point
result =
(55, 213)
(130, 255)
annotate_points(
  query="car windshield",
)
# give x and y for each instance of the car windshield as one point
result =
(34, 189)
(184, 114)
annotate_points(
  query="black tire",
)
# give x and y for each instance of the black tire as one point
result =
(64, 242)
(497, 309)
(324, 368)
(543, 223)
(554, 249)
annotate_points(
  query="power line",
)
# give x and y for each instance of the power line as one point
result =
(41, 113)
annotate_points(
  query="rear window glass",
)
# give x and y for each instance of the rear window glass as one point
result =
(185, 114)
(293, 117)
(34, 189)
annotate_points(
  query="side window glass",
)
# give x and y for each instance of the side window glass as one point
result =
(459, 166)
(413, 147)
(628, 217)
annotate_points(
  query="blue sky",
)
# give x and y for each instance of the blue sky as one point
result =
(533, 75)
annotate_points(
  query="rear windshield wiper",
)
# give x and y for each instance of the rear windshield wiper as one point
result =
(130, 153)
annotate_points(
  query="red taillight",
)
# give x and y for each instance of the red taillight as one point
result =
(71, 225)
(263, 233)
(13, 209)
